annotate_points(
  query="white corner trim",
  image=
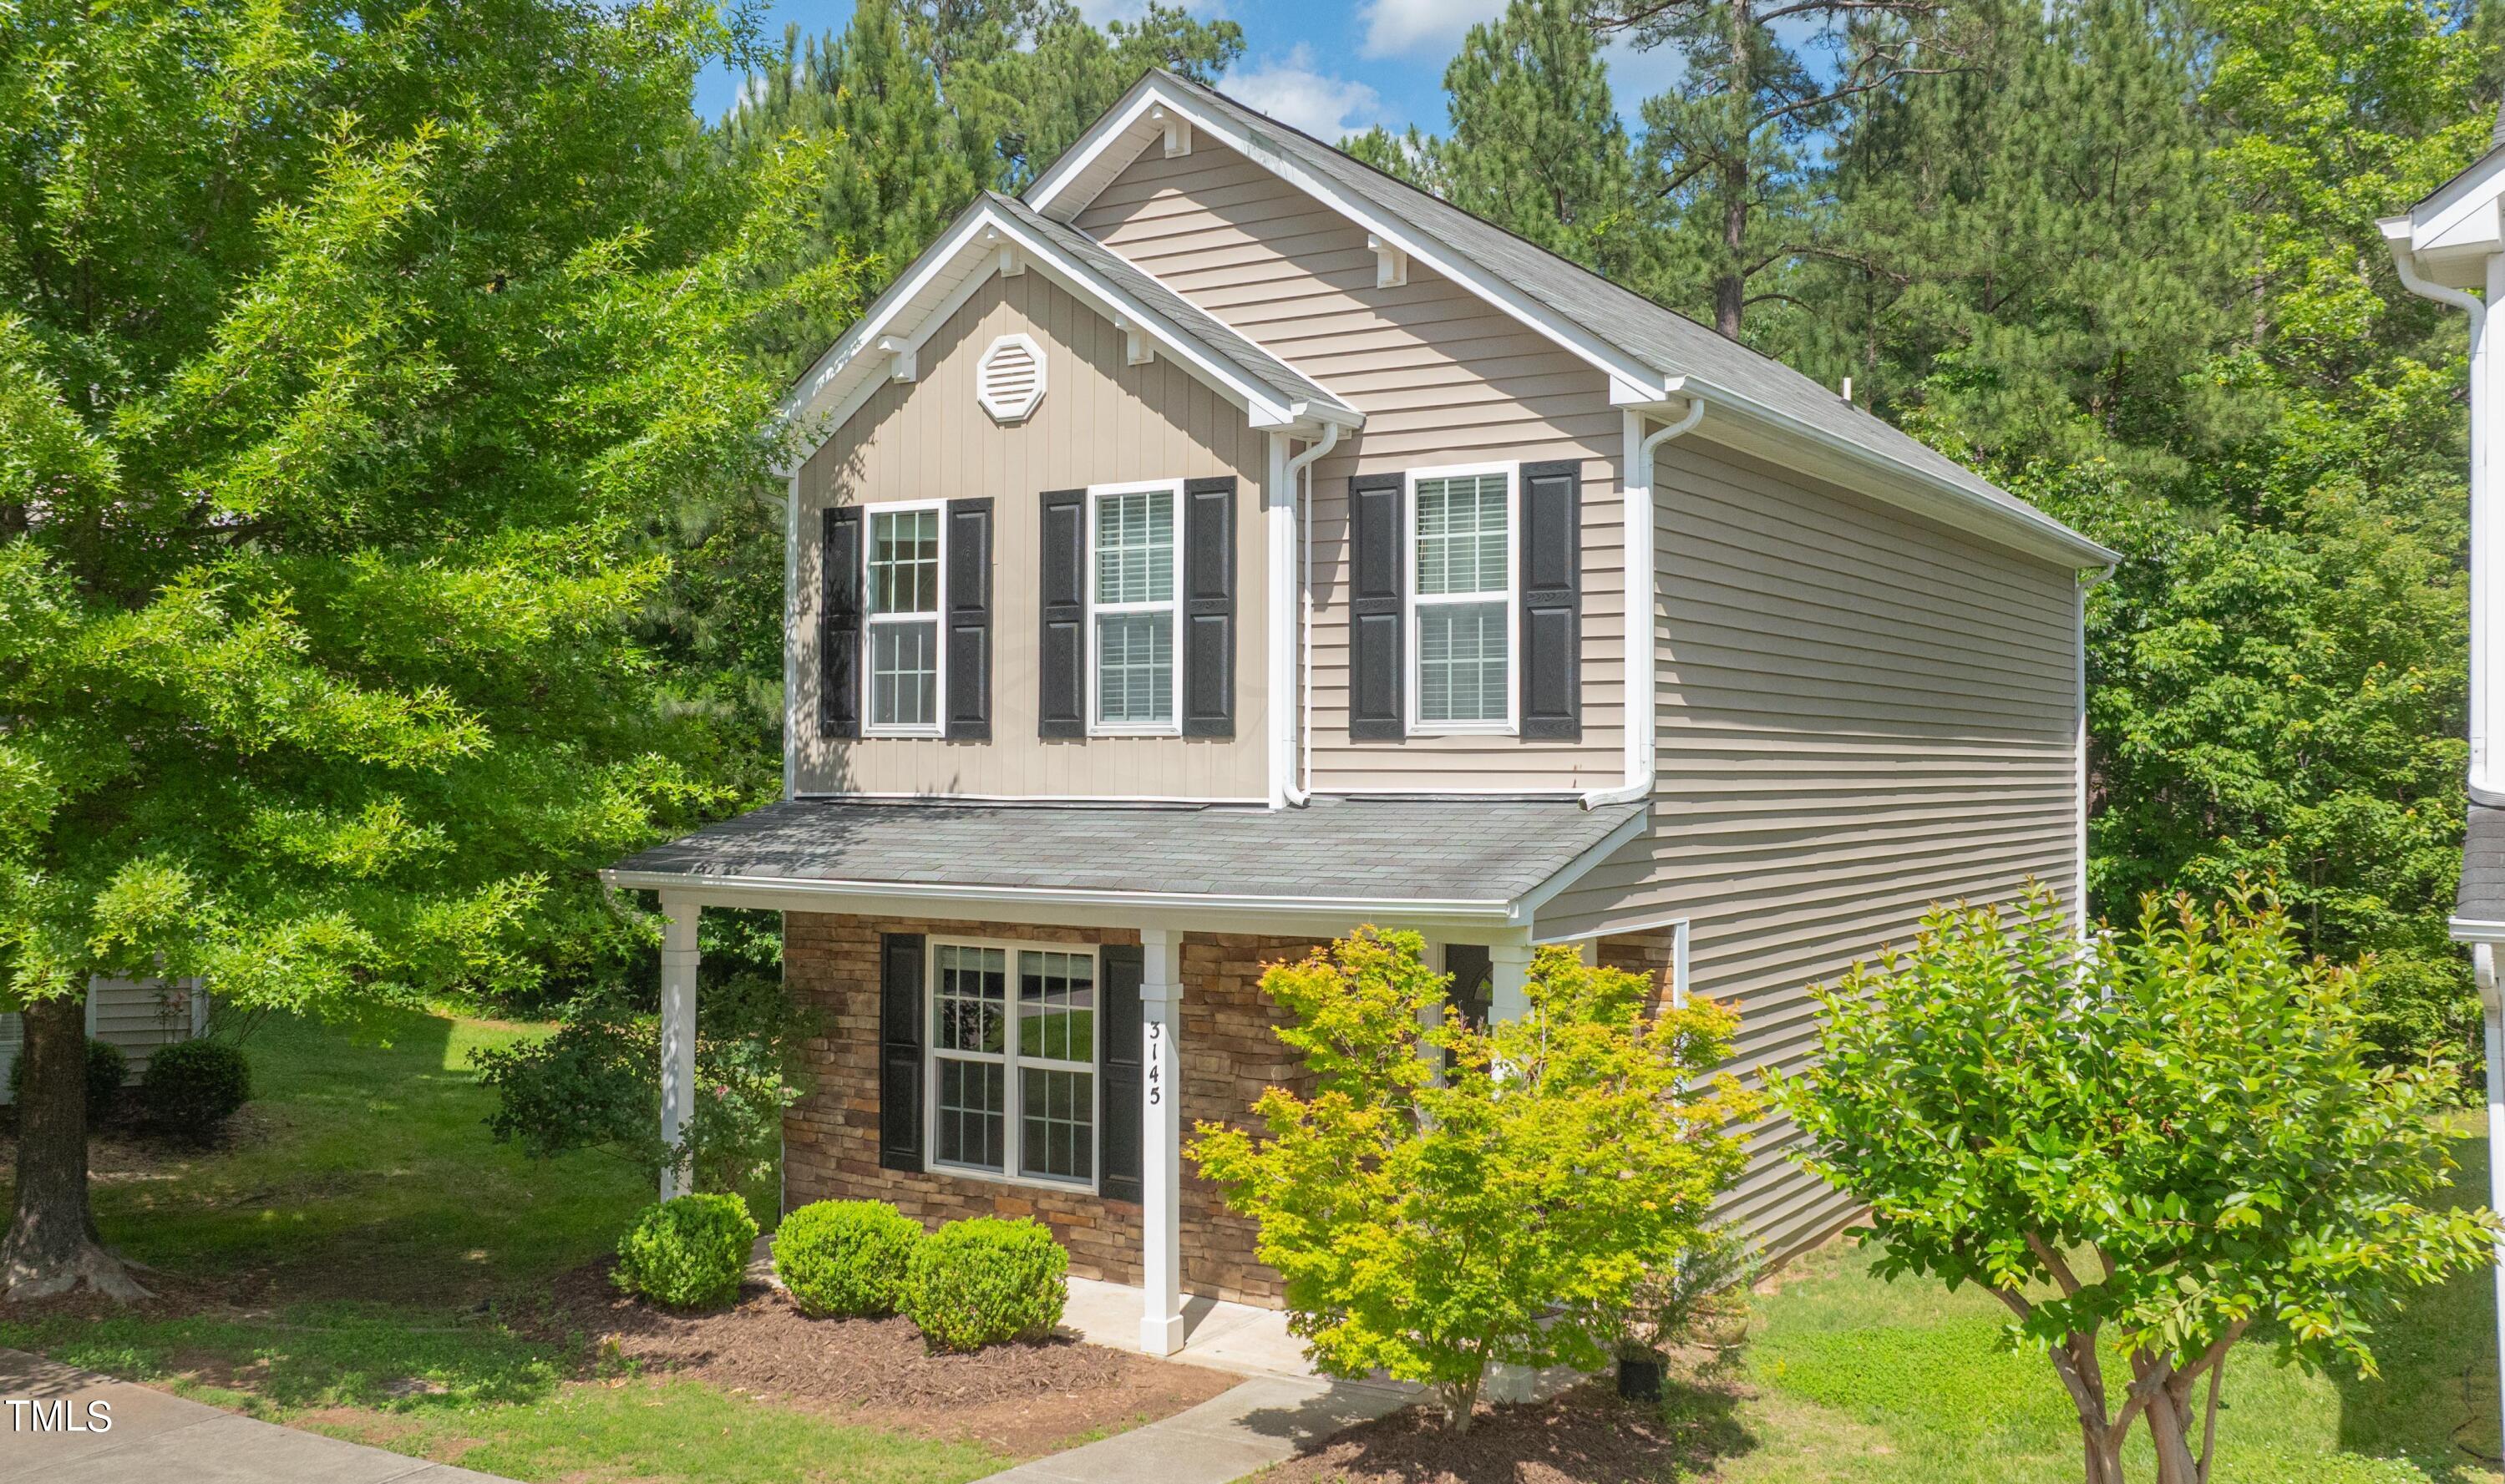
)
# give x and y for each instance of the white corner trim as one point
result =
(1278, 638)
(791, 633)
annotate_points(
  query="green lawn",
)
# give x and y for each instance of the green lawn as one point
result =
(1849, 1380)
(369, 1236)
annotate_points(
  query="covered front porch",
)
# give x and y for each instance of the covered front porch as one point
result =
(1024, 1006)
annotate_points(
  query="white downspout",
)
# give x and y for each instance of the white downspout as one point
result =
(1643, 698)
(1300, 478)
(2487, 520)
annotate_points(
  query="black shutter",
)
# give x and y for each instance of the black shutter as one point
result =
(969, 619)
(1376, 587)
(1208, 608)
(839, 623)
(1061, 691)
(900, 1051)
(1119, 970)
(1552, 601)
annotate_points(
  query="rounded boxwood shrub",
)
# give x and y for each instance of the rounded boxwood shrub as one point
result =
(845, 1257)
(688, 1253)
(194, 1085)
(107, 1069)
(981, 1282)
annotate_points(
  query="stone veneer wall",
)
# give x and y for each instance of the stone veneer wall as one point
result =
(1229, 1055)
(1654, 955)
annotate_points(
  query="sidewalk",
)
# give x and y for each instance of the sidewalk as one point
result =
(157, 1436)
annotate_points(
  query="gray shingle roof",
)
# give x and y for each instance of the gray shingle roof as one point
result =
(1667, 342)
(1482, 850)
(2481, 897)
(1154, 297)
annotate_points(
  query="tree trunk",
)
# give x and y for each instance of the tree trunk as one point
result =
(52, 1247)
(1462, 1400)
(1731, 281)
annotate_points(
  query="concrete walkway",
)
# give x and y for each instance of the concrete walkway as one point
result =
(157, 1437)
(1281, 1407)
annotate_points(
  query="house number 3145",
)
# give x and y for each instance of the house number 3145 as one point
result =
(1156, 1063)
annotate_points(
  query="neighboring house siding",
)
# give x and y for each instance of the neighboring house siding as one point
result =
(1442, 377)
(138, 1015)
(1862, 714)
(1101, 421)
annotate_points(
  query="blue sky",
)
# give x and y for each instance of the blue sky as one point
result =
(1325, 68)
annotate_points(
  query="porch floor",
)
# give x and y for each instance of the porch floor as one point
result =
(1242, 1339)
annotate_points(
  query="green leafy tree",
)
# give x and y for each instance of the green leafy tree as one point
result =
(345, 412)
(1512, 1208)
(2150, 1151)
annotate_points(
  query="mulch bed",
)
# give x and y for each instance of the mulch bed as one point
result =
(1024, 1400)
(1585, 1436)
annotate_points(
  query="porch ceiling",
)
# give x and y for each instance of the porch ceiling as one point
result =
(1494, 858)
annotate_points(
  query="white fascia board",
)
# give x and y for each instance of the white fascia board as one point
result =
(2021, 524)
(2450, 205)
(1055, 905)
(1628, 829)
(1050, 189)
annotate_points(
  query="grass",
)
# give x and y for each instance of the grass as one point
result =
(387, 1237)
(1855, 1381)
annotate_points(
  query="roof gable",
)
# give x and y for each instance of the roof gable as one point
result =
(1652, 355)
(996, 234)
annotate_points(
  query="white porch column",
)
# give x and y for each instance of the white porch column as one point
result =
(1510, 968)
(1160, 1140)
(677, 1030)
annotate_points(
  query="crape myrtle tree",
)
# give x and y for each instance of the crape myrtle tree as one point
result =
(353, 362)
(1448, 1197)
(2148, 1153)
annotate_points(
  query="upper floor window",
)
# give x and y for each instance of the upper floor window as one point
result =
(1462, 599)
(902, 621)
(1133, 677)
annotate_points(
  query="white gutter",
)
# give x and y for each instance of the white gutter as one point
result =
(1302, 465)
(2487, 539)
(1490, 910)
(1643, 702)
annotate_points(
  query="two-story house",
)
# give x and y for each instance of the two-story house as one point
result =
(1227, 545)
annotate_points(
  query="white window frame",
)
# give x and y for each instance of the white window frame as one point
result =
(938, 726)
(1172, 727)
(1412, 601)
(1012, 1106)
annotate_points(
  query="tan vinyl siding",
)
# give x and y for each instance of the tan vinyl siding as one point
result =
(1862, 714)
(1443, 378)
(1101, 421)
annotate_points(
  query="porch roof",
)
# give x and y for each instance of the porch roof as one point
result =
(1495, 859)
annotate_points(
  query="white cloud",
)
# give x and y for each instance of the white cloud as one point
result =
(1289, 90)
(1098, 12)
(1429, 28)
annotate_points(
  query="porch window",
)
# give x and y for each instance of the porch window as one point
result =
(1013, 1076)
(1133, 674)
(1462, 541)
(904, 621)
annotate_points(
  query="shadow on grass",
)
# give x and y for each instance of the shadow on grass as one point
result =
(2437, 1401)
(1586, 1436)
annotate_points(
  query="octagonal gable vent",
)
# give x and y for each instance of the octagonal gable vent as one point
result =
(1008, 382)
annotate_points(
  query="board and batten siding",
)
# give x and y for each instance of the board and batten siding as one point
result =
(1101, 421)
(1443, 378)
(1862, 714)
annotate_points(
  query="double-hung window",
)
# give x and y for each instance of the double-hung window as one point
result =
(1013, 1061)
(902, 618)
(1461, 526)
(1134, 680)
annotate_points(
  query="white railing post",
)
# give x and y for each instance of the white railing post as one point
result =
(1161, 1329)
(678, 957)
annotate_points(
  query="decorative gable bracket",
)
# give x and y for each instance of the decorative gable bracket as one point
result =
(902, 364)
(1390, 264)
(1137, 348)
(1178, 131)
